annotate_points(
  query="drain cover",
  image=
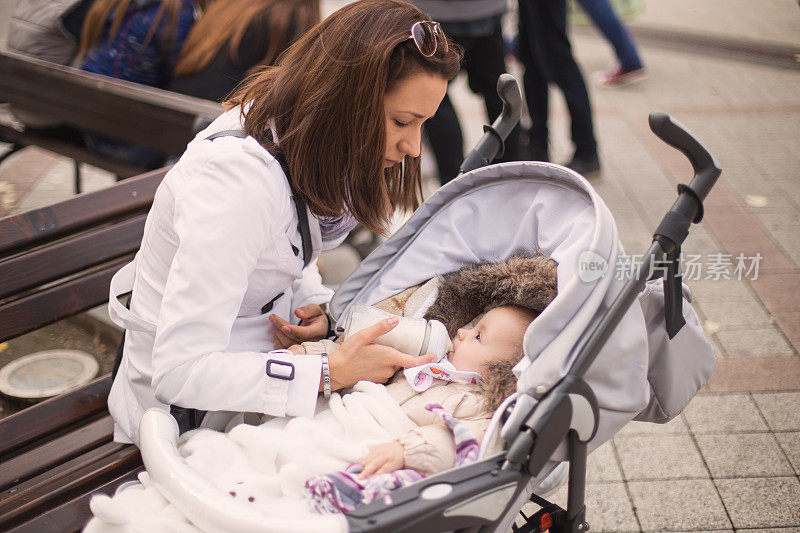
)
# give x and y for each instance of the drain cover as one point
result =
(44, 374)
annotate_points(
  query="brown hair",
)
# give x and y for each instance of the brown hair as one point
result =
(101, 10)
(225, 21)
(500, 381)
(326, 98)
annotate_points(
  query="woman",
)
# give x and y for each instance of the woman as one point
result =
(233, 36)
(138, 41)
(221, 267)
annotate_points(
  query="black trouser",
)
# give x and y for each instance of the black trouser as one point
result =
(484, 62)
(546, 54)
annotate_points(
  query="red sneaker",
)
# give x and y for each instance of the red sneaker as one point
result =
(619, 77)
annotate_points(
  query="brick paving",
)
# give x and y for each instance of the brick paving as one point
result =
(731, 461)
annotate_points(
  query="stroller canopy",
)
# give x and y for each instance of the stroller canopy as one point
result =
(497, 211)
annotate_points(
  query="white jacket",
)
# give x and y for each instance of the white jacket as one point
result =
(217, 246)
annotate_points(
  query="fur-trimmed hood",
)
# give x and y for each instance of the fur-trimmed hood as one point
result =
(527, 281)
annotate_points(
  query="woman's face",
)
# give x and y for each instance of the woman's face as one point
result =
(411, 102)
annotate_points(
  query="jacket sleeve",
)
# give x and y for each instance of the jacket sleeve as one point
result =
(431, 449)
(225, 226)
(309, 289)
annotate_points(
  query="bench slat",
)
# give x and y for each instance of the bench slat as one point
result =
(54, 414)
(58, 450)
(68, 149)
(155, 118)
(73, 515)
(37, 488)
(55, 303)
(70, 256)
(40, 484)
(103, 473)
(61, 258)
(15, 63)
(40, 225)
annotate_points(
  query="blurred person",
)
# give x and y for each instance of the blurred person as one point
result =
(628, 68)
(36, 29)
(137, 41)
(546, 54)
(233, 36)
(476, 26)
(46, 30)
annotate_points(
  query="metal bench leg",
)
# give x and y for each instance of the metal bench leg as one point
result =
(77, 176)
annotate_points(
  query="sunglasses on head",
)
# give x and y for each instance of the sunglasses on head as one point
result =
(425, 35)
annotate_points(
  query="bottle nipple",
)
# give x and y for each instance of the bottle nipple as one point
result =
(439, 342)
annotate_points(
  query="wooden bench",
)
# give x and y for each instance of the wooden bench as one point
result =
(153, 118)
(55, 262)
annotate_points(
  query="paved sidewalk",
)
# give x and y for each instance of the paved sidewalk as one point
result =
(731, 461)
(775, 22)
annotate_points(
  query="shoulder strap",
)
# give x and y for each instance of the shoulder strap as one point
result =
(299, 203)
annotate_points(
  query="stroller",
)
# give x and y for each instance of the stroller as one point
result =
(594, 359)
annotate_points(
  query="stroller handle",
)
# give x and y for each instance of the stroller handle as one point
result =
(491, 144)
(508, 90)
(706, 168)
(667, 240)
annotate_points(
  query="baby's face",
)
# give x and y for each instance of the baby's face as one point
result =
(496, 337)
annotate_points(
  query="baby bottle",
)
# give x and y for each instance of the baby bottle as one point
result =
(414, 336)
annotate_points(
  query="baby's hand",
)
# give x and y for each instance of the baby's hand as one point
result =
(383, 458)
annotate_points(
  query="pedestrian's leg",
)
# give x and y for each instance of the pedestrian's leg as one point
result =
(444, 134)
(567, 75)
(530, 54)
(603, 16)
(486, 63)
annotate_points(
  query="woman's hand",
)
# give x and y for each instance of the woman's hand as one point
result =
(383, 458)
(313, 327)
(360, 359)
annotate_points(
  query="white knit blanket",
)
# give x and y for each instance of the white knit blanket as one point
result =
(262, 466)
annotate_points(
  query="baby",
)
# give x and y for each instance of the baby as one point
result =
(451, 408)
(450, 403)
(483, 357)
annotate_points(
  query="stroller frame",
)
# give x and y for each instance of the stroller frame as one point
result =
(475, 497)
